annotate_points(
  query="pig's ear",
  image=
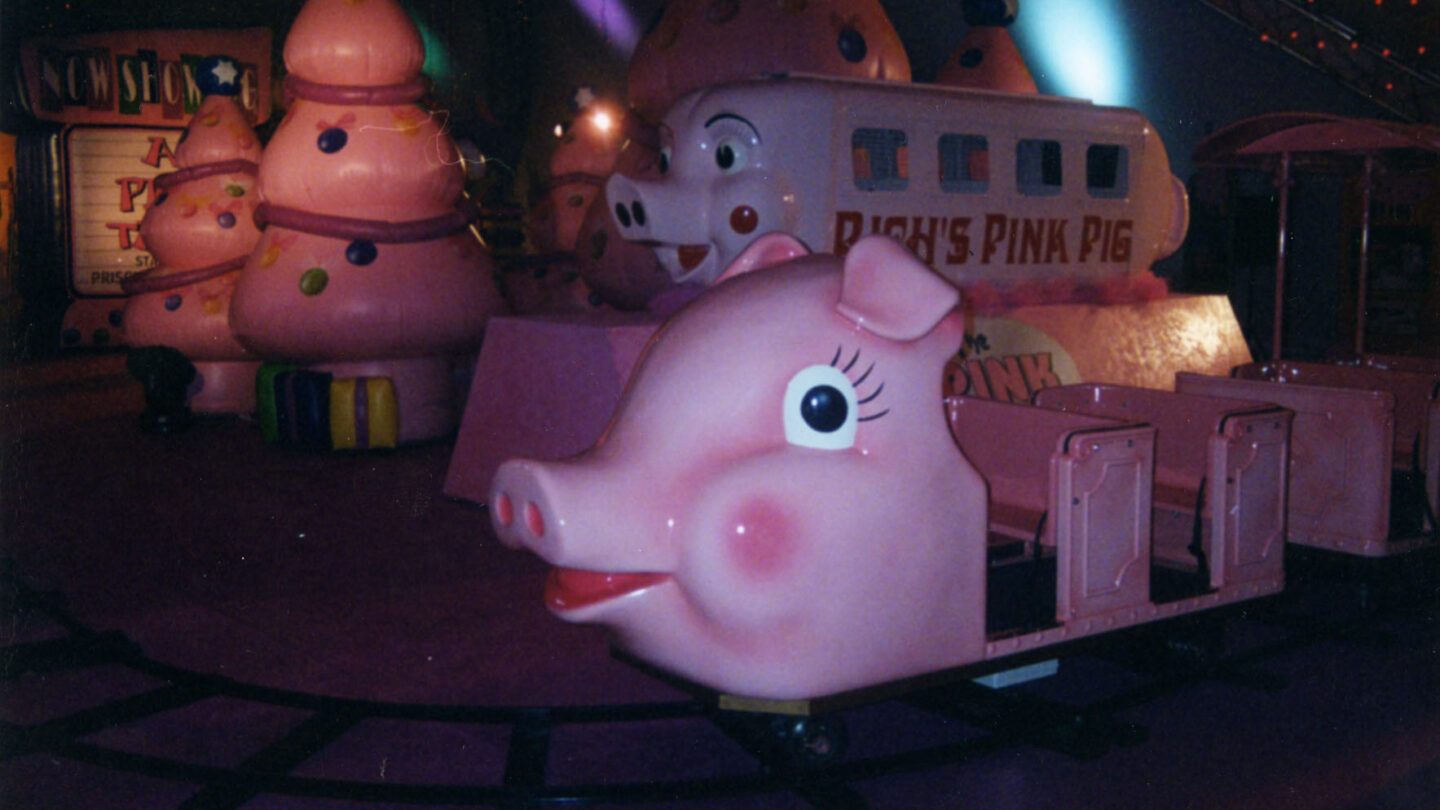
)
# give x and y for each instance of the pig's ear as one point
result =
(772, 248)
(886, 290)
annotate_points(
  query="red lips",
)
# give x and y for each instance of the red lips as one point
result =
(570, 588)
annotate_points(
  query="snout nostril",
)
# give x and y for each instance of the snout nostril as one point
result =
(533, 521)
(638, 211)
(504, 510)
(623, 214)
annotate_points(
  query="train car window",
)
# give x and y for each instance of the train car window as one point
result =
(881, 158)
(964, 164)
(1037, 167)
(1107, 170)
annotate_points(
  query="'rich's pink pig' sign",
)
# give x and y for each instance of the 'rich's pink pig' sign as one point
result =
(777, 508)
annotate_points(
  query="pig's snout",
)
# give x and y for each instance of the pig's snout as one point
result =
(627, 206)
(520, 508)
(626, 214)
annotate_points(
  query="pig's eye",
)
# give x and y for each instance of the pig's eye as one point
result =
(730, 155)
(664, 161)
(821, 410)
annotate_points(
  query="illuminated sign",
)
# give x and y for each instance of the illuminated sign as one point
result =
(111, 181)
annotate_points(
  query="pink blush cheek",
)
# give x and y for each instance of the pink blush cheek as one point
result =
(764, 540)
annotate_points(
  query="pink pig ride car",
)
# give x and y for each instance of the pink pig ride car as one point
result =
(777, 507)
(989, 188)
(784, 506)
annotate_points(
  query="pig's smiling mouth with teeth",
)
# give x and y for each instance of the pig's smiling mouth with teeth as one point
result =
(569, 589)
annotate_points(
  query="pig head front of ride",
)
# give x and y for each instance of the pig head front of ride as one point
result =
(777, 509)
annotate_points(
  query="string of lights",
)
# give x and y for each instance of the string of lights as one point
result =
(1400, 76)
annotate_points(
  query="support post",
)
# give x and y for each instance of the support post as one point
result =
(1283, 183)
(1364, 261)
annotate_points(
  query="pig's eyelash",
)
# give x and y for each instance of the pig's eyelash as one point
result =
(854, 359)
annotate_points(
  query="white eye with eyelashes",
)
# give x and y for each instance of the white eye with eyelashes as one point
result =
(821, 409)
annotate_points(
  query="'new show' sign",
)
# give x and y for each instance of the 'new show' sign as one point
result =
(139, 78)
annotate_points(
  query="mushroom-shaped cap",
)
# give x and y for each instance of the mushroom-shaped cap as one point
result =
(355, 43)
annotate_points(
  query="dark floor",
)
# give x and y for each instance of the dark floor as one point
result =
(376, 647)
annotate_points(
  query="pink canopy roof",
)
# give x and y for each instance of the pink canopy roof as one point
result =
(1312, 137)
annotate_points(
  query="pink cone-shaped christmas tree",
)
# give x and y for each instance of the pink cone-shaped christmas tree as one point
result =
(200, 230)
(366, 270)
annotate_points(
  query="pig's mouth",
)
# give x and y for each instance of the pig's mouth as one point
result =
(571, 589)
(687, 263)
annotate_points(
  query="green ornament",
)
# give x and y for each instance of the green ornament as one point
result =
(313, 281)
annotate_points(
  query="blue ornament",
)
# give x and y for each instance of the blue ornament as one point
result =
(332, 140)
(361, 252)
(225, 220)
(218, 76)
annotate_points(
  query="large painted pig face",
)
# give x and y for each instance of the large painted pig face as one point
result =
(777, 508)
(722, 184)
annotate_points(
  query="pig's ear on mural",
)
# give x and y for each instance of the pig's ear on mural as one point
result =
(770, 249)
(887, 291)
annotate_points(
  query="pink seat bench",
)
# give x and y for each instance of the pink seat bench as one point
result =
(1076, 491)
(1221, 470)
(1077, 485)
(1415, 383)
(1415, 396)
(1342, 447)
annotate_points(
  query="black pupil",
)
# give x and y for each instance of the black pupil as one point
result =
(852, 45)
(824, 408)
(725, 156)
(664, 163)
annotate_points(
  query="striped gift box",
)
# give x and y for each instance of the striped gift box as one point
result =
(265, 401)
(364, 413)
(302, 409)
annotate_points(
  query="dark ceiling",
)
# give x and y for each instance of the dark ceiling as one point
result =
(1386, 50)
(1403, 26)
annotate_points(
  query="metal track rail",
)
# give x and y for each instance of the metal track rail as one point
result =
(804, 756)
